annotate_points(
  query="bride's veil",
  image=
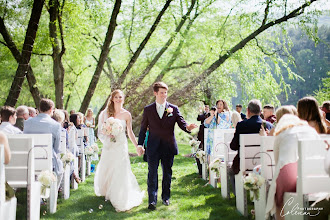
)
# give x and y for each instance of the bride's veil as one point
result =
(102, 118)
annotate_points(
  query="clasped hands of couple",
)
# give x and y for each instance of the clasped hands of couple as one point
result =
(140, 150)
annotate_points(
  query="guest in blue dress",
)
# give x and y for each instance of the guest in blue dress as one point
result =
(219, 119)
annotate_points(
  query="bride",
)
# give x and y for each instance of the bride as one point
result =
(114, 178)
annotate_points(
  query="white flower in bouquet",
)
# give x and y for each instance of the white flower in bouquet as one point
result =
(112, 127)
(89, 151)
(253, 182)
(88, 124)
(215, 165)
(194, 144)
(95, 148)
(46, 178)
(200, 154)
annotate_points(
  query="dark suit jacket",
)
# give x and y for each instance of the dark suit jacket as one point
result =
(202, 118)
(249, 126)
(161, 131)
(243, 116)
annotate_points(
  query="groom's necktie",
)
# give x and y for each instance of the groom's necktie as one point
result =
(160, 111)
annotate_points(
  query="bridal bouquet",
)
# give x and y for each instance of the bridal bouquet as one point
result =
(215, 165)
(200, 154)
(67, 158)
(46, 178)
(194, 145)
(112, 127)
(253, 182)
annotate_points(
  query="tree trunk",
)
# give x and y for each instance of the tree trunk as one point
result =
(58, 69)
(142, 45)
(24, 61)
(17, 55)
(177, 96)
(134, 83)
(145, 97)
(102, 59)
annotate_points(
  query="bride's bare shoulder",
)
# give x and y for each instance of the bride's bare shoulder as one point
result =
(126, 113)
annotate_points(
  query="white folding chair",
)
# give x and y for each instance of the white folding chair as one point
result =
(7, 208)
(249, 146)
(20, 172)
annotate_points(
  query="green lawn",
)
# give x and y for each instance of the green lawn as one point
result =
(189, 198)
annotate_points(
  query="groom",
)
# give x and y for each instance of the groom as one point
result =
(161, 117)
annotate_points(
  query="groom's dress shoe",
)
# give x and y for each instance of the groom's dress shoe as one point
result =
(166, 202)
(152, 206)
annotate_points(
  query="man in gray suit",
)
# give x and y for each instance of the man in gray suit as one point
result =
(44, 124)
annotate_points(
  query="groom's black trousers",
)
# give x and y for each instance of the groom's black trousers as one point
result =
(166, 160)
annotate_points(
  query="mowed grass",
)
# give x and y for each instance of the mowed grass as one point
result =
(190, 198)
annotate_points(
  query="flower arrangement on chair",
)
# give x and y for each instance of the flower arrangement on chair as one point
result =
(46, 178)
(194, 145)
(253, 182)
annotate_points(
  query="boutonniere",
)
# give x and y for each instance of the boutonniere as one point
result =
(169, 112)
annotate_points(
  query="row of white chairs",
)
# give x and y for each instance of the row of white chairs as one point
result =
(255, 150)
(31, 154)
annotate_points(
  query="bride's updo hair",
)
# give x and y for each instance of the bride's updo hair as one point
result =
(111, 104)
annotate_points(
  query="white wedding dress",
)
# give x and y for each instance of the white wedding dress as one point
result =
(114, 178)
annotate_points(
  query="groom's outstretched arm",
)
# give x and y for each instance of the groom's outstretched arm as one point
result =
(144, 127)
(181, 122)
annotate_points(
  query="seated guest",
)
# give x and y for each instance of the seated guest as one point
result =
(22, 113)
(309, 111)
(326, 108)
(44, 124)
(32, 112)
(288, 130)
(235, 118)
(4, 141)
(239, 110)
(268, 113)
(285, 109)
(82, 126)
(8, 116)
(250, 126)
(58, 116)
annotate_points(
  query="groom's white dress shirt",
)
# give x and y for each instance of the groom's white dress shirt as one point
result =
(160, 109)
(8, 128)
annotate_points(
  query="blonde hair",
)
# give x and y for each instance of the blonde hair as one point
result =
(81, 116)
(285, 109)
(235, 118)
(111, 104)
(89, 110)
(58, 115)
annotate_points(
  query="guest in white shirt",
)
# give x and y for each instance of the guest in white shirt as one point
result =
(8, 116)
(44, 124)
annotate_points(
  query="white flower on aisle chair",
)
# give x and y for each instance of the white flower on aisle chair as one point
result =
(46, 178)
(194, 145)
(67, 158)
(253, 182)
(112, 127)
(215, 165)
(200, 154)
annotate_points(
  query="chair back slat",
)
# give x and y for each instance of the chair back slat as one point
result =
(249, 147)
(63, 141)
(20, 174)
(312, 177)
(267, 160)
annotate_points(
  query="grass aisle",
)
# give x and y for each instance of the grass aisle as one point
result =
(189, 199)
